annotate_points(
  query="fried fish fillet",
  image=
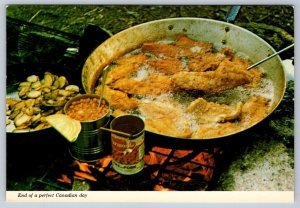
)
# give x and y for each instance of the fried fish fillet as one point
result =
(167, 66)
(165, 119)
(224, 78)
(184, 47)
(209, 61)
(154, 85)
(210, 112)
(160, 49)
(212, 130)
(125, 66)
(255, 73)
(118, 99)
(197, 47)
(254, 110)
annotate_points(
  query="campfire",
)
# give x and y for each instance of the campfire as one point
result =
(165, 170)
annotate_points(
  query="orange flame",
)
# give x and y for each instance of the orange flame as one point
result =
(106, 161)
(205, 159)
(182, 153)
(162, 150)
(85, 175)
(64, 178)
(177, 168)
(83, 166)
(79, 178)
(151, 159)
(161, 188)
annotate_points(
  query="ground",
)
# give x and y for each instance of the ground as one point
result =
(74, 19)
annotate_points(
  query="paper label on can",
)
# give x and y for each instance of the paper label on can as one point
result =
(128, 155)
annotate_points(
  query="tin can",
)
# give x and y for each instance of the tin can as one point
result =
(128, 152)
(89, 147)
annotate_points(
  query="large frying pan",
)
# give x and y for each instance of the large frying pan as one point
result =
(221, 34)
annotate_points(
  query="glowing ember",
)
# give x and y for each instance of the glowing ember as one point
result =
(161, 188)
(162, 150)
(187, 179)
(151, 159)
(182, 153)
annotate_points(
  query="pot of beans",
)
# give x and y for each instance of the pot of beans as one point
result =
(92, 114)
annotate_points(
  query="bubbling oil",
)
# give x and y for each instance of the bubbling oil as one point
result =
(181, 99)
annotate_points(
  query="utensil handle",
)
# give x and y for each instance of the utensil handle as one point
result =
(232, 13)
(116, 132)
(271, 56)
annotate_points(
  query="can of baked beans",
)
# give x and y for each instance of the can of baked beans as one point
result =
(89, 145)
(128, 151)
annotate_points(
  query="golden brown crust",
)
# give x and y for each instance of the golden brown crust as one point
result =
(197, 47)
(125, 67)
(167, 66)
(118, 99)
(210, 112)
(165, 119)
(255, 109)
(213, 130)
(154, 85)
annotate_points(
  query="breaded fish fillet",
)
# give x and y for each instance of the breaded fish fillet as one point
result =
(224, 78)
(125, 66)
(212, 130)
(255, 73)
(118, 99)
(198, 47)
(184, 47)
(165, 119)
(210, 112)
(209, 61)
(167, 66)
(154, 85)
(255, 109)
(161, 50)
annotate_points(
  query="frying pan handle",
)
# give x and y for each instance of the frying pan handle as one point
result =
(232, 14)
(92, 37)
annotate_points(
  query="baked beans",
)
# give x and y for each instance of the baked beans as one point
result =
(87, 109)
